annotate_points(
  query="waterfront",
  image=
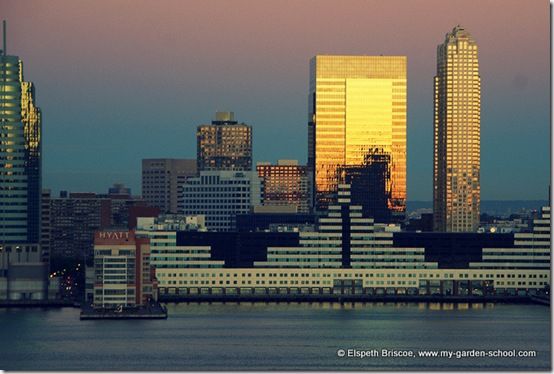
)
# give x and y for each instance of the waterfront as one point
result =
(257, 336)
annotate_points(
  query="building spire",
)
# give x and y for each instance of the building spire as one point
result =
(4, 38)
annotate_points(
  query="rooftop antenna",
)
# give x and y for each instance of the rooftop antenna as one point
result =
(4, 37)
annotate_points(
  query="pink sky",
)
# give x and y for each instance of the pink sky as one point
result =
(119, 66)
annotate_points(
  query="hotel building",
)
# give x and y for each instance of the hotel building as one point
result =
(122, 273)
(457, 137)
(357, 107)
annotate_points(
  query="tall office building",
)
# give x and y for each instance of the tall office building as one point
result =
(457, 126)
(162, 179)
(286, 184)
(224, 145)
(23, 270)
(20, 148)
(357, 106)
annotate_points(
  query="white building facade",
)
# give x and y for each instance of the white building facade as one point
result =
(219, 196)
(349, 254)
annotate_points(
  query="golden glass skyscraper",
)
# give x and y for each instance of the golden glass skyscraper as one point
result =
(457, 138)
(357, 108)
(20, 153)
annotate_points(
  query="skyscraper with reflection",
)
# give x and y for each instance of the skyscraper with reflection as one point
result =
(357, 104)
(20, 154)
(23, 265)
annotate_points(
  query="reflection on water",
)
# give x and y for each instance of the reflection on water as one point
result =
(277, 336)
(358, 305)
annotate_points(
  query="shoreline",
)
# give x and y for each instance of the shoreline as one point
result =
(178, 299)
(39, 304)
(352, 298)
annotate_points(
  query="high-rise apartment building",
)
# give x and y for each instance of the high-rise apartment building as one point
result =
(457, 126)
(357, 106)
(220, 196)
(74, 219)
(20, 151)
(224, 145)
(286, 183)
(162, 179)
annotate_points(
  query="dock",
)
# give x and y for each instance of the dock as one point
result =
(152, 311)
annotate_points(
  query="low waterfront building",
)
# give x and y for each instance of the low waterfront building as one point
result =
(349, 254)
(122, 275)
(165, 252)
(314, 281)
(454, 250)
(530, 250)
(274, 221)
(497, 225)
(347, 239)
(237, 249)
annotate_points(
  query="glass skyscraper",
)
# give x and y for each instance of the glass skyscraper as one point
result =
(357, 107)
(20, 154)
(457, 126)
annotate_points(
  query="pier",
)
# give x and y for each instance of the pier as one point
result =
(153, 311)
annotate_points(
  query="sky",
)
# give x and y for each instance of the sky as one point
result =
(122, 80)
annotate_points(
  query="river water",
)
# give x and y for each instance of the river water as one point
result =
(279, 336)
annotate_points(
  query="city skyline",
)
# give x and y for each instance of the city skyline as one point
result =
(266, 265)
(267, 92)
